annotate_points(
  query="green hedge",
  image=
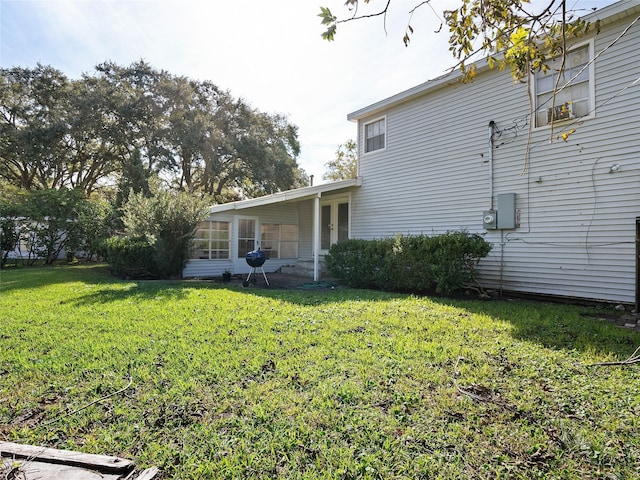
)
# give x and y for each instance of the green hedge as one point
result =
(131, 257)
(442, 264)
(360, 263)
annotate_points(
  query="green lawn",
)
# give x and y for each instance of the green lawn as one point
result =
(244, 383)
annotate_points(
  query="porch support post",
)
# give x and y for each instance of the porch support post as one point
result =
(316, 237)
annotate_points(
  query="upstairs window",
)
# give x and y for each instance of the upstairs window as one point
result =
(374, 134)
(572, 100)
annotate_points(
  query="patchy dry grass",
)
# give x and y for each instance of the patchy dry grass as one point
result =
(242, 383)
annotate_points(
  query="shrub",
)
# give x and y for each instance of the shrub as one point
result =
(442, 264)
(131, 257)
(96, 222)
(361, 263)
(52, 221)
(52, 216)
(10, 198)
(168, 222)
(9, 238)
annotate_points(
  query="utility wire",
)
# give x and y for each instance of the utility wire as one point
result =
(520, 123)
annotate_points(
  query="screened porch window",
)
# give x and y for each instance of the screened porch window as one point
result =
(212, 241)
(279, 240)
(574, 99)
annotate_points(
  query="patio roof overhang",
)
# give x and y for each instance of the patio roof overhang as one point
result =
(297, 194)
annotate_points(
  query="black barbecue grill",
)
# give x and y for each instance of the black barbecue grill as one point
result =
(255, 259)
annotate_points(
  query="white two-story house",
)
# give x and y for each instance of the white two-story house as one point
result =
(554, 185)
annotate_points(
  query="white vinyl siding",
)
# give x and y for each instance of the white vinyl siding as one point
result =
(433, 175)
(305, 229)
(577, 219)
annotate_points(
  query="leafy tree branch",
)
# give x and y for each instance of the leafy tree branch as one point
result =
(507, 32)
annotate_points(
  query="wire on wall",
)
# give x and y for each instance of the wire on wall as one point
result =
(510, 134)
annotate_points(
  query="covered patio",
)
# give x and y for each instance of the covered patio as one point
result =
(294, 228)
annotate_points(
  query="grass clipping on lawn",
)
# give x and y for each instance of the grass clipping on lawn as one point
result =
(208, 380)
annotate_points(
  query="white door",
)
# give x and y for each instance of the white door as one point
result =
(334, 223)
(247, 240)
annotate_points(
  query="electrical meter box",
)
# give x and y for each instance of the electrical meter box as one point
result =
(489, 219)
(507, 211)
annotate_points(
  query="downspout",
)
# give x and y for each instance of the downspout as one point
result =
(501, 261)
(316, 237)
(492, 130)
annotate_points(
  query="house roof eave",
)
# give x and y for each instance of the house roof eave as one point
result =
(405, 96)
(611, 13)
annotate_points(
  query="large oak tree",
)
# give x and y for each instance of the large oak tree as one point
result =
(123, 124)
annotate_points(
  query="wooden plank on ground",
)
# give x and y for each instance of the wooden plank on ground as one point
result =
(31, 469)
(148, 474)
(101, 463)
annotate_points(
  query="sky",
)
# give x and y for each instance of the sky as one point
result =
(268, 52)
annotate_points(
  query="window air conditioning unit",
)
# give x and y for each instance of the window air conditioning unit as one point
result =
(560, 112)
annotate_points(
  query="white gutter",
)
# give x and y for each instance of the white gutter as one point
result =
(450, 78)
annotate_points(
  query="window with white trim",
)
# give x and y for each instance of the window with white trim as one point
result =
(574, 97)
(279, 240)
(212, 241)
(374, 135)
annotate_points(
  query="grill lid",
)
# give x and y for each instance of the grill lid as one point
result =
(255, 258)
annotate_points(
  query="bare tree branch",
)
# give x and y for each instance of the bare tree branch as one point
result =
(370, 15)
